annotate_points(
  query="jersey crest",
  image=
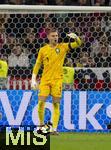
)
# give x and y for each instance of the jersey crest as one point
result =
(57, 50)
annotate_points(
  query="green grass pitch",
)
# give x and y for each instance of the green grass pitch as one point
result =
(81, 141)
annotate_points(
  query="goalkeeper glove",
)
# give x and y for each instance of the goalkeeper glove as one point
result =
(76, 38)
(72, 35)
(34, 84)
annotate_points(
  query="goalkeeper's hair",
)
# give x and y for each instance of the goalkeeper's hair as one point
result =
(49, 30)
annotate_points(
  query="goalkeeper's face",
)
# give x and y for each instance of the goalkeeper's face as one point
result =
(53, 38)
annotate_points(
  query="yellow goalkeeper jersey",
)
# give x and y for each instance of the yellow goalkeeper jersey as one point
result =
(52, 59)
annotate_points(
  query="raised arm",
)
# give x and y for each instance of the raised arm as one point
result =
(77, 41)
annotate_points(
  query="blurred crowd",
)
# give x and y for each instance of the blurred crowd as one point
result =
(59, 2)
(22, 35)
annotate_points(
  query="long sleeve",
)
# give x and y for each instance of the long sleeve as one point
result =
(72, 45)
(38, 63)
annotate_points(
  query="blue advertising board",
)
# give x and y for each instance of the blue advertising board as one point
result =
(80, 110)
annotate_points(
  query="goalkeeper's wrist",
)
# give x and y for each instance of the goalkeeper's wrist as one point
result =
(33, 77)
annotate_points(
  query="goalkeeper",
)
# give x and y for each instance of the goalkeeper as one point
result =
(52, 57)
